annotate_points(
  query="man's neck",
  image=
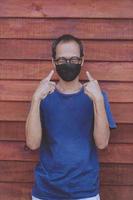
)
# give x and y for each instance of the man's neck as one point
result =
(69, 86)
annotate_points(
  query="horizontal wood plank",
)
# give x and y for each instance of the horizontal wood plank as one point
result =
(23, 190)
(23, 90)
(52, 8)
(41, 49)
(122, 134)
(17, 151)
(37, 70)
(116, 192)
(15, 131)
(83, 28)
(12, 131)
(7, 112)
(114, 153)
(27, 29)
(17, 171)
(15, 191)
(116, 174)
(110, 174)
(122, 112)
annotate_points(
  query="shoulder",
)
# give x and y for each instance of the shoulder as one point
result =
(49, 98)
(104, 92)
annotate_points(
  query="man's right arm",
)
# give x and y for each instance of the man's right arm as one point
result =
(33, 123)
(33, 126)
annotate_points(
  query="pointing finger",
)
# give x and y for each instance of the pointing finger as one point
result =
(49, 75)
(89, 76)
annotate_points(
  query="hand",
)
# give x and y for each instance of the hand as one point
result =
(45, 87)
(92, 88)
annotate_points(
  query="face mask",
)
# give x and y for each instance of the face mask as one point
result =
(68, 71)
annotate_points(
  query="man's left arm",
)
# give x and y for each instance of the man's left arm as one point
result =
(101, 124)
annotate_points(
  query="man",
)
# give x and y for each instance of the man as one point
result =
(68, 121)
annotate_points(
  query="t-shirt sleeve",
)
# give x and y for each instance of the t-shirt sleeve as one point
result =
(111, 119)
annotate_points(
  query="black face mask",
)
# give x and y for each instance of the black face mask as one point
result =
(68, 71)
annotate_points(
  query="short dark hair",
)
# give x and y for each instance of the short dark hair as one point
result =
(66, 38)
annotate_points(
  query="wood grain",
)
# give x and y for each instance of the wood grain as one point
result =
(23, 190)
(27, 29)
(24, 90)
(37, 70)
(15, 191)
(122, 112)
(35, 28)
(116, 192)
(15, 131)
(101, 50)
(23, 172)
(46, 9)
(114, 153)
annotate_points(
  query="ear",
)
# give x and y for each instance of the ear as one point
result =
(82, 61)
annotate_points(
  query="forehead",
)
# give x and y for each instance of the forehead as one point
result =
(67, 49)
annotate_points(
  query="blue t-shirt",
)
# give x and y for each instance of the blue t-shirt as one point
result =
(69, 166)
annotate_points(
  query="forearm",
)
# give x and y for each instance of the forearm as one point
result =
(33, 126)
(101, 126)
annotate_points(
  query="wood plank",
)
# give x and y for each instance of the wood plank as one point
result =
(94, 50)
(116, 192)
(83, 28)
(17, 171)
(23, 190)
(7, 112)
(12, 131)
(37, 70)
(15, 131)
(114, 91)
(116, 174)
(16, 151)
(46, 9)
(114, 153)
(23, 90)
(122, 112)
(110, 173)
(15, 191)
(123, 134)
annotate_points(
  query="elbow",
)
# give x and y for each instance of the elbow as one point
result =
(32, 143)
(102, 146)
(104, 143)
(32, 146)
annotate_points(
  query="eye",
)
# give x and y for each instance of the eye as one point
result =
(60, 61)
(75, 60)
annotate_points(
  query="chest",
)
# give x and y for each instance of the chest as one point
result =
(75, 110)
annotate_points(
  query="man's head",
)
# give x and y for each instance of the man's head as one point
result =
(66, 47)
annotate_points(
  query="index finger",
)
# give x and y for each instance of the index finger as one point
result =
(49, 75)
(89, 76)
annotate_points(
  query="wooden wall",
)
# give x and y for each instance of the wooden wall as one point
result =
(26, 32)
